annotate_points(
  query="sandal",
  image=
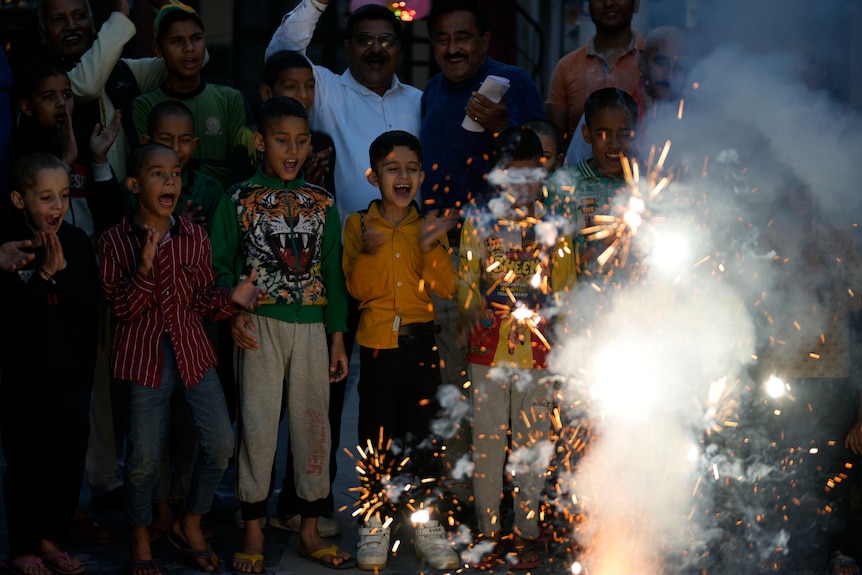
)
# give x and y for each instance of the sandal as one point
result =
(17, 565)
(61, 562)
(841, 564)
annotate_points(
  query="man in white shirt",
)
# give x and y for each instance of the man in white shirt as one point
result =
(366, 100)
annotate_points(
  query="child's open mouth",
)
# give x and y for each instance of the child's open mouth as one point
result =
(53, 222)
(402, 191)
(289, 166)
(167, 201)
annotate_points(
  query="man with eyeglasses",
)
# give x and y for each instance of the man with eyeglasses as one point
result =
(353, 108)
(366, 100)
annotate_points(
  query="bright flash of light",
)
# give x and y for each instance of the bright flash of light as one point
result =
(693, 453)
(577, 568)
(633, 216)
(522, 313)
(775, 387)
(670, 252)
(420, 516)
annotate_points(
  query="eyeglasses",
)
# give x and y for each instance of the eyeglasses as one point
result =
(367, 40)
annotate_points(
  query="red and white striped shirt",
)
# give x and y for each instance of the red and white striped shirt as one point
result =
(173, 298)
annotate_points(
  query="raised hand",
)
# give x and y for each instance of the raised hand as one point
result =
(68, 144)
(103, 137)
(371, 240)
(246, 294)
(54, 261)
(121, 6)
(194, 213)
(148, 251)
(317, 166)
(12, 256)
(436, 225)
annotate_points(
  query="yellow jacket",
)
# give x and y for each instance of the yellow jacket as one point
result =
(395, 281)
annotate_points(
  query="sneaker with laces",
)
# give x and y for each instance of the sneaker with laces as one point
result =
(433, 546)
(372, 550)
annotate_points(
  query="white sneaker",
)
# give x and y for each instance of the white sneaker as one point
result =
(433, 546)
(373, 548)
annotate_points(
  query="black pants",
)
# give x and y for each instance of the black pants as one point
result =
(44, 424)
(398, 393)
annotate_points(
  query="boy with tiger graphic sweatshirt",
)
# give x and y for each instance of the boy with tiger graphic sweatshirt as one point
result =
(288, 230)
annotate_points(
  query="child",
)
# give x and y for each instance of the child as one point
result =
(45, 124)
(288, 73)
(389, 250)
(156, 272)
(289, 231)
(510, 275)
(222, 116)
(583, 191)
(552, 143)
(172, 124)
(47, 356)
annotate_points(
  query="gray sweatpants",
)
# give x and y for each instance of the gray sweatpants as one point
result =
(292, 358)
(498, 404)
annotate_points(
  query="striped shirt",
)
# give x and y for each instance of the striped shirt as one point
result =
(172, 299)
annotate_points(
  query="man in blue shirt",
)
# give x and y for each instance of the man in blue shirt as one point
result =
(456, 159)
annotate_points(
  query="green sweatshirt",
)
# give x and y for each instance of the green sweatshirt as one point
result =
(290, 233)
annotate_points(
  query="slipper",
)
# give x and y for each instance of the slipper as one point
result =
(192, 555)
(144, 564)
(61, 562)
(253, 558)
(317, 557)
(16, 566)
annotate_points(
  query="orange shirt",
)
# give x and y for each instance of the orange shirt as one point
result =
(580, 73)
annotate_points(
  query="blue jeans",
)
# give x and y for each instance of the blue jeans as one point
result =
(148, 413)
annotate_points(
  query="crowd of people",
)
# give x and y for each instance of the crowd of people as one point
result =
(231, 259)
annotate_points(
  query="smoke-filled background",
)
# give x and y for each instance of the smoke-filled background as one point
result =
(693, 464)
(709, 381)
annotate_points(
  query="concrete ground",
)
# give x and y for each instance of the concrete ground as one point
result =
(281, 548)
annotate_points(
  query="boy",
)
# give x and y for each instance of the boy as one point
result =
(584, 190)
(552, 143)
(389, 250)
(47, 354)
(509, 278)
(288, 73)
(172, 124)
(289, 231)
(45, 124)
(222, 116)
(156, 272)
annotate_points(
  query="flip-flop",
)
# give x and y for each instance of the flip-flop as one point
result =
(61, 562)
(192, 555)
(14, 566)
(253, 558)
(317, 557)
(516, 561)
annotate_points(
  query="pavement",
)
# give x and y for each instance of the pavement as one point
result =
(281, 548)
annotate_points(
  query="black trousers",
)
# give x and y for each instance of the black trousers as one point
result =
(398, 393)
(44, 425)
